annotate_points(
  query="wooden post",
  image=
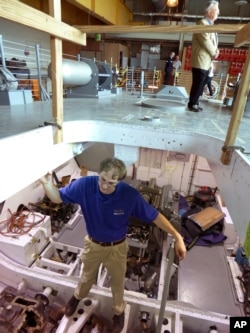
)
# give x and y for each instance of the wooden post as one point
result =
(56, 74)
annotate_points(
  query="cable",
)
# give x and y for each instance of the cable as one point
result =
(20, 223)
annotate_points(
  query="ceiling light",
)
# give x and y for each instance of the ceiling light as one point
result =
(240, 2)
(172, 3)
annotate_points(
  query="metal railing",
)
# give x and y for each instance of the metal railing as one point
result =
(28, 63)
(139, 80)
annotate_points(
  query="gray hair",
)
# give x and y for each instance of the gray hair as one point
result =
(211, 5)
(116, 166)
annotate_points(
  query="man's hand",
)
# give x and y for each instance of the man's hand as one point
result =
(180, 248)
(50, 189)
(46, 179)
(216, 54)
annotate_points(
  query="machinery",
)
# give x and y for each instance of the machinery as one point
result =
(86, 78)
(7, 80)
(14, 83)
(41, 246)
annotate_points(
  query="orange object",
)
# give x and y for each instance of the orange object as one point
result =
(35, 90)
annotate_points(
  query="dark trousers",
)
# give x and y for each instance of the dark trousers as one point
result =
(167, 77)
(198, 79)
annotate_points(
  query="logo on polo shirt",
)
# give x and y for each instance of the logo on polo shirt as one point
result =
(118, 212)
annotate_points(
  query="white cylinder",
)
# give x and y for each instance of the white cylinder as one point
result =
(76, 73)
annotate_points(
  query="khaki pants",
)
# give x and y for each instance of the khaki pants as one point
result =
(114, 258)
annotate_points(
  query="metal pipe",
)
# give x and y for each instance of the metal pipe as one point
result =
(166, 286)
(38, 69)
(142, 83)
(43, 297)
(22, 286)
(181, 45)
(177, 15)
(2, 52)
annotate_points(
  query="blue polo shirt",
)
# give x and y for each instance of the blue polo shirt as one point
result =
(107, 215)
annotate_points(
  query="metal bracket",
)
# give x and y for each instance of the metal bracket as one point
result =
(242, 149)
(46, 123)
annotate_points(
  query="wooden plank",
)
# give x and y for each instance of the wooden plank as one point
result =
(18, 12)
(242, 36)
(237, 113)
(56, 74)
(220, 28)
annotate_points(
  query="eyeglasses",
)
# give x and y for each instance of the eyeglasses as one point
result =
(108, 183)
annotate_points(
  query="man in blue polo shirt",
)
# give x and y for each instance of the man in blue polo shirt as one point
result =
(107, 203)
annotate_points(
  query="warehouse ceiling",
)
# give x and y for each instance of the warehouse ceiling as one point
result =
(231, 11)
(156, 12)
(149, 12)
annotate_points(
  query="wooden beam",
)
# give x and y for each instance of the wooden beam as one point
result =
(238, 110)
(18, 12)
(220, 28)
(56, 74)
(243, 36)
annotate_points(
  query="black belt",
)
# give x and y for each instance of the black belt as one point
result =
(107, 243)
